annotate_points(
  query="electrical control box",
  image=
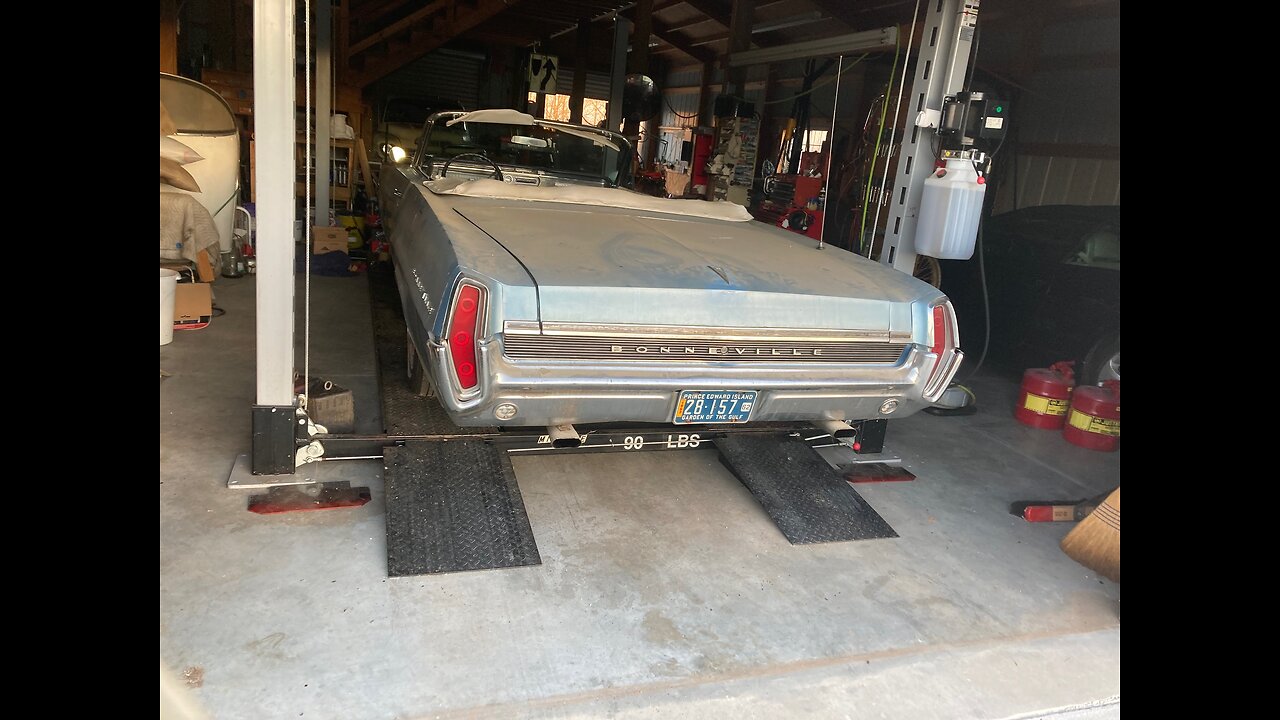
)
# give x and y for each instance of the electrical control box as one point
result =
(980, 116)
(991, 119)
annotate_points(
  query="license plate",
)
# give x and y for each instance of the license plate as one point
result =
(714, 406)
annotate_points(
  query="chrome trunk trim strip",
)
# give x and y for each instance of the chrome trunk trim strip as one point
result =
(676, 333)
(635, 349)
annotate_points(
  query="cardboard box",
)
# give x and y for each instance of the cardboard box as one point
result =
(192, 303)
(329, 239)
(332, 406)
(204, 266)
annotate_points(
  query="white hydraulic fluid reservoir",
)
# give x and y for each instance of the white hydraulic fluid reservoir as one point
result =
(949, 211)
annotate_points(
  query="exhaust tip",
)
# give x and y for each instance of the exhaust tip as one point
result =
(564, 436)
(839, 429)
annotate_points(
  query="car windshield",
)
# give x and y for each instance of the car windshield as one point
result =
(570, 150)
(406, 111)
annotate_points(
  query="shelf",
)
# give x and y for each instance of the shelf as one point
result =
(336, 192)
(341, 165)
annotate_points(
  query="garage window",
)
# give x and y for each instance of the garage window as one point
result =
(594, 111)
(813, 140)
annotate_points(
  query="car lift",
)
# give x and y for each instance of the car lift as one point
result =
(452, 500)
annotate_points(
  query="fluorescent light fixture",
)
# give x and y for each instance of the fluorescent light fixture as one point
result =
(788, 22)
(839, 45)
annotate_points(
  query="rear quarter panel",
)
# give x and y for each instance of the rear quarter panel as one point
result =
(433, 248)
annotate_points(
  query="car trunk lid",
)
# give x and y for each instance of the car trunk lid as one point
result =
(610, 266)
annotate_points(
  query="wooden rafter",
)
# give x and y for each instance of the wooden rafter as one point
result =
(399, 26)
(373, 9)
(691, 22)
(834, 8)
(720, 12)
(426, 33)
(712, 38)
(713, 9)
(681, 42)
(675, 39)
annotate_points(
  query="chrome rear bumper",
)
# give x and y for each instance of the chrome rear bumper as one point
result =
(587, 391)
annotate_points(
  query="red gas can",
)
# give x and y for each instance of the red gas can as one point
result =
(1045, 397)
(1094, 419)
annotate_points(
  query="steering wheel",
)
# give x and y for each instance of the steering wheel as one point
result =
(497, 171)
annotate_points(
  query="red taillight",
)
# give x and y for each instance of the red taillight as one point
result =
(939, 330)
(462, 334)
(941, 342)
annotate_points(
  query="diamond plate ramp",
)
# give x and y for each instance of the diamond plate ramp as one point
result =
(805, 497)
(454, 506)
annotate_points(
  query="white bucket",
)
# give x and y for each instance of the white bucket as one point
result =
(339, 129)
(168, 288)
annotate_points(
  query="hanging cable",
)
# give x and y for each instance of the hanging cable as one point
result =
(986, 308)
(307, 192)
(673, 110)
(815, 86)
(897, 115)
(866, 195)
(831, 151)
(333, 97)
(982, 265)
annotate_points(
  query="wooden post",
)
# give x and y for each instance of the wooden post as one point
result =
(222, 34)
(342, 43)
(638, 58)
(704, 91)
(242, 12)
(638, 61)
(617, 70)
(169, 36)
(739, 40)
(579, 93)
(362, 157)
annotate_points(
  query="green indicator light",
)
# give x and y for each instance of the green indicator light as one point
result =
(999, 108)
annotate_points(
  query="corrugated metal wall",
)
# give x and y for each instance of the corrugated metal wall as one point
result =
(686, 103)
(442, 74)
(1071, 106)
(677, 104)
(684, 77)
(674, 105)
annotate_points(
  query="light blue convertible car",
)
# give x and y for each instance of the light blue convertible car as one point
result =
(539, 290)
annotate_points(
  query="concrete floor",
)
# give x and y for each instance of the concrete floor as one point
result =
(664, 589)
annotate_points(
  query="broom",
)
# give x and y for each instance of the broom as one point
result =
(1095, 542)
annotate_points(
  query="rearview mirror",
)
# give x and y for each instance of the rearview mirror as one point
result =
(527, 141)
